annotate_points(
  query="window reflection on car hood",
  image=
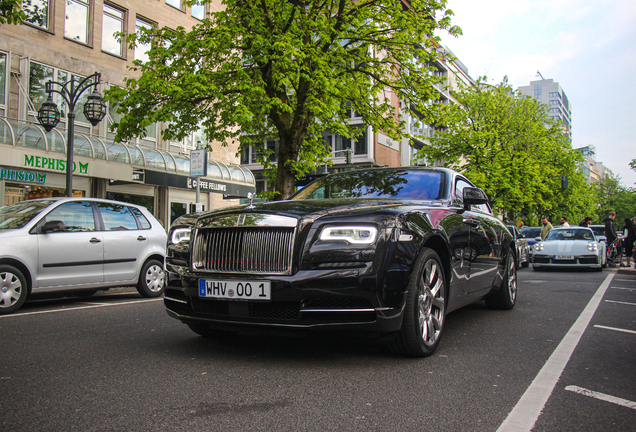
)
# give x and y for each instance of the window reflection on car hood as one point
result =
(17, 215)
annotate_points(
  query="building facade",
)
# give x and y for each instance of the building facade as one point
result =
(70, 40)
(594, 171)
(550, 93)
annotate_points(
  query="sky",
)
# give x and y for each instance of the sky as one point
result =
(587, 46)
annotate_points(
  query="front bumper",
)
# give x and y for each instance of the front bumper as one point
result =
(347, 300)
(588, 261)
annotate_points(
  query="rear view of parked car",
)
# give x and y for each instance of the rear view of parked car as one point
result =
(531, 233)
(79, 245)
(523, 255)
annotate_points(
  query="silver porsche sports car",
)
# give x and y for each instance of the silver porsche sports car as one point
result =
(570, 248)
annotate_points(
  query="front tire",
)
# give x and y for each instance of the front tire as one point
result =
(506, 296)
(13, 289)
(152, 279)
(425, 308)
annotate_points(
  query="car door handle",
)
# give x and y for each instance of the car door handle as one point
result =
(141, 238)
(472, 222)
(95, 240)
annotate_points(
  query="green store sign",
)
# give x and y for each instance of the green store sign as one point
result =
(53, 164)
(17, 175)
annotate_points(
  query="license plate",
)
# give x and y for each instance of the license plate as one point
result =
(235, 289)
(564, 257)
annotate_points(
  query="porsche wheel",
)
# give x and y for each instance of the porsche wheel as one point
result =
(425, 308)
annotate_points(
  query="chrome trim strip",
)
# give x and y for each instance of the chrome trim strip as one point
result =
(337, 310)
(248, 220)
(174, 299)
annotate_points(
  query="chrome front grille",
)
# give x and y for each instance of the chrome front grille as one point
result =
(244, 250)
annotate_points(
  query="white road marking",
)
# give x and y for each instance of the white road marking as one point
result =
(602, 396)
(621, 288)
(528, 409)
(620, 302)
(78, 308)
(615, 329)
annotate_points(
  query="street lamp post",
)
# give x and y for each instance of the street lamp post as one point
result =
(94, 110)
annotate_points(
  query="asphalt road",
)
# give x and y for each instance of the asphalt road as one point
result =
(563, 360)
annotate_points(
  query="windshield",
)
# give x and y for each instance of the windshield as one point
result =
(402, 184)
(571, 234)
(19, 214)
(598, 230)
(530, 232)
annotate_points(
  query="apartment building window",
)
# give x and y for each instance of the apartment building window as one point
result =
(537, 91)
(39, 75)
(175, 3)
(141, 50)
(197, 11)
(37, 12)
(3, 82)
(338, 143)
(150, 140)
(76, 24)
(554, 102)
(113, 23)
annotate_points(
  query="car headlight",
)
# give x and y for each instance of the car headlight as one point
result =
(538, 246)
(180, 235)
(592, 246)
(350, 234)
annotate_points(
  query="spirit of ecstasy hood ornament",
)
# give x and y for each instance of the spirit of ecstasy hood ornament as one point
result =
(250, 196)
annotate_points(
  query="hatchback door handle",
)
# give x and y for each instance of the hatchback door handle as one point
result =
(141, 238)
(95, 240)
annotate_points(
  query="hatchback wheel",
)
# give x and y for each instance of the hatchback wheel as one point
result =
(13, 289)
(152, 279)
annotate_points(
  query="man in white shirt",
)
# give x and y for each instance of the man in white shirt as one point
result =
(564, 222)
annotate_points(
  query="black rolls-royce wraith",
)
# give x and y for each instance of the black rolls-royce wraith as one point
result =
(388, 251)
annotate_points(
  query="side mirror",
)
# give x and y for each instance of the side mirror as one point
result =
(51, 226)
(538, 238)
(473, 196)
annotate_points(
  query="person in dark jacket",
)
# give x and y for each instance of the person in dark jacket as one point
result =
(629, 236)
(610, 231)
(586, 222)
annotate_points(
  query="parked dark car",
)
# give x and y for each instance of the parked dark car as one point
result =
(531, 233)
(599, 232)
(523, 248)
(386, 251)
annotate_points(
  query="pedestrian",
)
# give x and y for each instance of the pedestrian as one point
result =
(564, 222)
(610, 231)
(547, 226)
(586, 222)
(629, 236)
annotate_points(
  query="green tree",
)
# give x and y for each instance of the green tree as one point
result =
(612, 196)
(507, 144)
(11, 12)
(287, 70)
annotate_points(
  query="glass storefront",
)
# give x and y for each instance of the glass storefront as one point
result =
(14, 192)
(142, 200)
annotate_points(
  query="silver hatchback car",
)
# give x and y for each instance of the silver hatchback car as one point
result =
(79, 245)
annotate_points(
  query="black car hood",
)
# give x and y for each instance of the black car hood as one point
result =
(308, 209)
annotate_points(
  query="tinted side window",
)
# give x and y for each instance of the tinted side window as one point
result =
(76, 216)
(145, 224)
(117, 217)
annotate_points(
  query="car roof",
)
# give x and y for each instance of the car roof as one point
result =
(70, 199)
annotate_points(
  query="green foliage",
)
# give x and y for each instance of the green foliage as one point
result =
(287, 70)
(612, 196)
(11, 12)
(507, 144)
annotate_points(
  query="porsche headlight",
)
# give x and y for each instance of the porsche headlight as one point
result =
(179, 235)
(350, 234)
(592, 246)
(538, 246)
